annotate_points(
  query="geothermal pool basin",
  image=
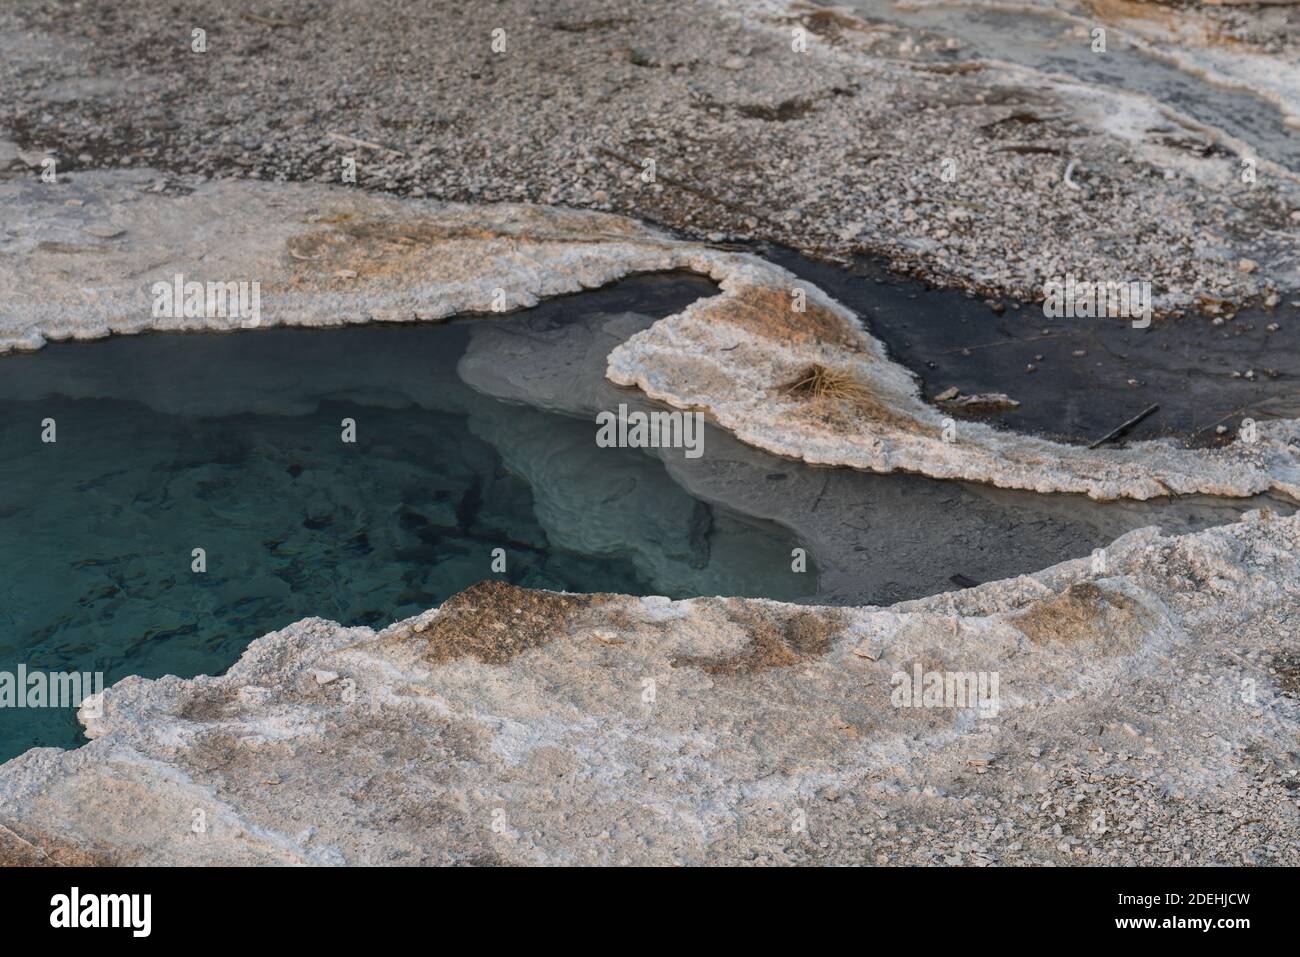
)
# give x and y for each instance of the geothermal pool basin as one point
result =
(475, 457)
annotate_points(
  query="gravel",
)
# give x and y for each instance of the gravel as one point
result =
(838, 150)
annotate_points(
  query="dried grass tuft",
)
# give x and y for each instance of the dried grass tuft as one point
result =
(819, 382)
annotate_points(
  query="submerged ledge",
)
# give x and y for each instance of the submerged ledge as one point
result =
(1148, 695)
(328, 256)
(516, 726)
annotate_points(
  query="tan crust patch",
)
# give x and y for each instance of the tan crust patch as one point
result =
(34, 849)
(380, 249)
(765, 311)
(772, 643)
(1086, 614)
(495, 622)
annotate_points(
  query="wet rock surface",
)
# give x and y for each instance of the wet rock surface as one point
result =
(1074, 379)
(874, 539)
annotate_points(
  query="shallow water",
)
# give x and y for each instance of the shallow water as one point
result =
(877, 539)
(470, 437)
(1045, 42)
(1089, 375)
(233, 444)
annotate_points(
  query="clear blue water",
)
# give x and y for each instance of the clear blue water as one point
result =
(232, 443)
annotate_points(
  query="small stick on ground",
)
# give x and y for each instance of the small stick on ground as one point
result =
(1001, 342)
(1120, 430)
(1246, 408)
(366, 143)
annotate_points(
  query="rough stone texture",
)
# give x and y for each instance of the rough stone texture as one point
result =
(1256, 49)
(1148, 703)
(1147, 713)
(327, 256)
(837, 150)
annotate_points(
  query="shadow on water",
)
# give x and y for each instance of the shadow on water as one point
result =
(233, 444)
(470, 436)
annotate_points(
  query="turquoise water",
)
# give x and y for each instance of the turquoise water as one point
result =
(233, 444)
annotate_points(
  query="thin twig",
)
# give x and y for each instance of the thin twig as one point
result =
(366, 143)
(1246, 408)
(1120, 430)
(1000, 342)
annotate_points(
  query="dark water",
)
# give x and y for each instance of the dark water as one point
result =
(233, 444)
(1089, 375)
